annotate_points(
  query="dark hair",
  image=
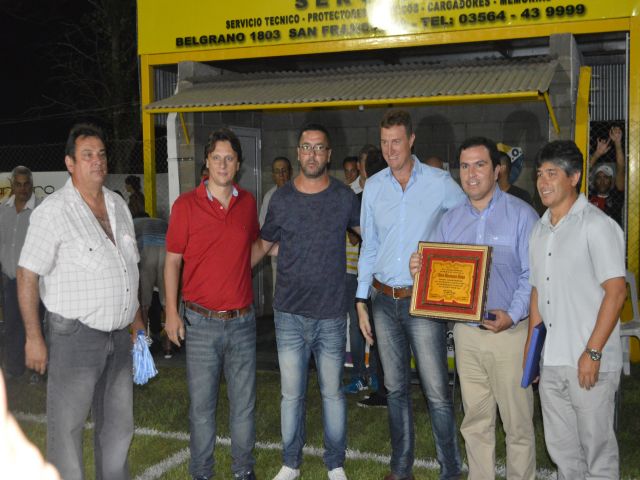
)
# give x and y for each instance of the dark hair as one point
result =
(223, 135)
(489, 144)
(374, 162)
(82, 130)
(204, 167)
(283, 159)
(505, 160)
(368, 148)
(393, 118)
(316, 127)
(564, 154)
(350, 159)
(133, 182)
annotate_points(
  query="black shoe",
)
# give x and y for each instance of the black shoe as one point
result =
(373, 400)
(245, 476)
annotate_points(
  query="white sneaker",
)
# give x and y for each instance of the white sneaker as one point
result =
(287, 473)
(337, 474)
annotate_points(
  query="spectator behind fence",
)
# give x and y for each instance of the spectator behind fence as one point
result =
(401, 206)
(281, 172)
(211, 230)
(577, 259)
(136, 197)
(309, 217)
(488, 355)
(81, 248)
(14, 221)
(150, 236)
(608, 194)
(505, 185)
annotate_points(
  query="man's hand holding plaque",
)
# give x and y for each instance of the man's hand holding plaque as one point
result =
(450, 282)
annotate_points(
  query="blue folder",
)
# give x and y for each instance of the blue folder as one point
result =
(532, 365)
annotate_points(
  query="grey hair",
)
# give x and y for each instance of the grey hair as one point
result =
(20, 170)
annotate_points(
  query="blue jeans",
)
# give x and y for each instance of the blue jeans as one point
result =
(398, 334)
(356, 340)
(297, 338)
(215, 345)
(89, 369)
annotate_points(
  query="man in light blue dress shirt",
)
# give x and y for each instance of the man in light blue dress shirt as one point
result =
(401, 206)
(489, 358)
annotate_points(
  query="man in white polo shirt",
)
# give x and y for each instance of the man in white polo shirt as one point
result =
(80, 256)
(576, 256)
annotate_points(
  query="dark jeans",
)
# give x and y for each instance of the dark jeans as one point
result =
(89, 369)
(398, 334)
(14, 336)
(214, 346)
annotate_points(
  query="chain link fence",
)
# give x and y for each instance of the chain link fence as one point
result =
(47, 163)
(607, 168)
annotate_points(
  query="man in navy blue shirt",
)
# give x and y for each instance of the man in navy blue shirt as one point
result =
(309, 217)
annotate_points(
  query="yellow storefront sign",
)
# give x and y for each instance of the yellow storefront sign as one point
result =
(211, 24)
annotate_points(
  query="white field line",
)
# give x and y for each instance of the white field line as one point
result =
(159, 469)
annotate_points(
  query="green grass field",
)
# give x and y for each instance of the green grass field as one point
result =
(160, 445)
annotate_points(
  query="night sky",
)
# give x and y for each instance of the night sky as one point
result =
(28, 29)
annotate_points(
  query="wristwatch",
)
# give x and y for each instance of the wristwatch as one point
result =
(594, 354)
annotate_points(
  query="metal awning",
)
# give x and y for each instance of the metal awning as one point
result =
(488, 80)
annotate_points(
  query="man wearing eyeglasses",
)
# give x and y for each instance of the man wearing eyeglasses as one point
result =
(401, 206)
(309, 217)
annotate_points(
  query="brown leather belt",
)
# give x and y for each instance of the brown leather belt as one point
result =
(394, 292)
(220, 315)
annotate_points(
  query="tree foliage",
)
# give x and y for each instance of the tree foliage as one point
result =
(95, 65)
(84, 61)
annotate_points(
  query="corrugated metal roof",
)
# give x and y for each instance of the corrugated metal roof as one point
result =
(364, 83)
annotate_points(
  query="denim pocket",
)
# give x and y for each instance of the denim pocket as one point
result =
(60, 325)
(193, 319)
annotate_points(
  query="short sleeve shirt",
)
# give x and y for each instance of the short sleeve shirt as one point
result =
(215, 244)
(83, 274)
(569, 262)
(311, 230)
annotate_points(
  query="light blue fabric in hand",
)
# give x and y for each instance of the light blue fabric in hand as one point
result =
(143, 366)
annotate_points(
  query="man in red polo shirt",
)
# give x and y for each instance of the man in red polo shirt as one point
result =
(211, 230)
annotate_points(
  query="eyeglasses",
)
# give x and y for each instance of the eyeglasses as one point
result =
(319, 148)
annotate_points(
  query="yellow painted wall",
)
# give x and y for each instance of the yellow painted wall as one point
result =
(165, 26)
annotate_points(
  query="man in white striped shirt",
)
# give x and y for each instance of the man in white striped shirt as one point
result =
(80, 256)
